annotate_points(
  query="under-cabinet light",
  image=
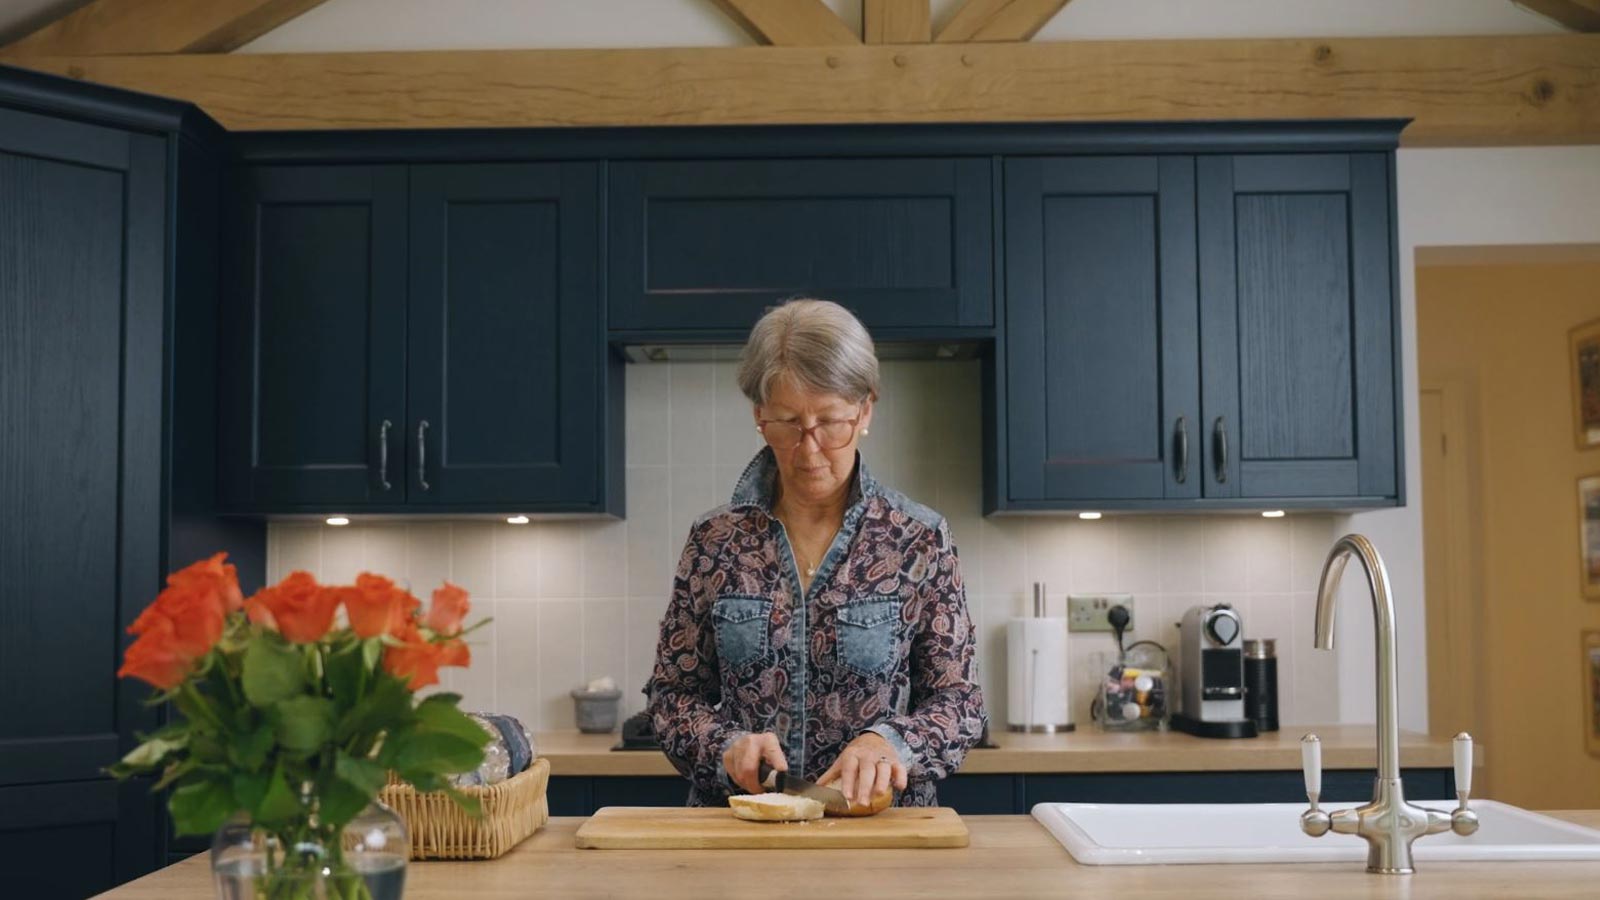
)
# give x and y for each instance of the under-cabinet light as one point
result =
(338, 520)
(1089, 515)
(516, 520)
(1272, 514)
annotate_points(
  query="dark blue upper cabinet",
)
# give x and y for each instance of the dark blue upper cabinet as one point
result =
(707, 246)
(314, 328)
(506, 339)
(1298, 327)
(1102, 400)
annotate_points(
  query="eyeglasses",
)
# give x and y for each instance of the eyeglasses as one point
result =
(830, 434)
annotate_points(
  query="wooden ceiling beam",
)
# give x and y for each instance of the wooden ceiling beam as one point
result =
(979, 21)
(159, 26)
(1461, 91)
(896, 22)
(790, 23)
(1577, 15)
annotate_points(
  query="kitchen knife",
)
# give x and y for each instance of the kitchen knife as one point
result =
(832, 799)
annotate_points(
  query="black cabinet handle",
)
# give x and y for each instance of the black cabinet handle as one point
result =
(422, 456)
(1222, 450)
(1183, 449)
(383, 454)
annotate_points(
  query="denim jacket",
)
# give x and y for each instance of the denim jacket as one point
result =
(881, 642)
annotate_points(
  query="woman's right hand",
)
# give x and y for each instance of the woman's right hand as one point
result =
(742, 760)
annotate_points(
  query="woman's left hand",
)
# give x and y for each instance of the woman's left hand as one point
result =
(867, 767)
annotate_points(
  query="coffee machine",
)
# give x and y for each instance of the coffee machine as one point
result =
(1211, 674)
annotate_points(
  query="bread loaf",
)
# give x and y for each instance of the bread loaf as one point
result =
(775, 808)
(879, 803)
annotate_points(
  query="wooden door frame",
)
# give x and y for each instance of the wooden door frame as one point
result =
(1457, 665)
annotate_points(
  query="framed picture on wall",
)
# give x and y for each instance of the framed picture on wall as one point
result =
(1591, 691)
(1589, 534)
(1585, 349)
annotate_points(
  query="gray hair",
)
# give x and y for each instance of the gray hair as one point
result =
(818, 343)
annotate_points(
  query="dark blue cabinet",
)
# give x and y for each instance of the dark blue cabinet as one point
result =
(418, 338)
(108, 276)
(1298, 326)
(507, 350)
(1101, 325)
(707, 245)
(1199, 331)
(314, 325)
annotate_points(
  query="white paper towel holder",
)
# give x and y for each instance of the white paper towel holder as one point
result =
(1025, 687)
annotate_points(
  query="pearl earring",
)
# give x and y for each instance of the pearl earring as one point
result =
(865, 432)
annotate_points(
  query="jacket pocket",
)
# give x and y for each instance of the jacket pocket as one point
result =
(743, 626)
(868, 635)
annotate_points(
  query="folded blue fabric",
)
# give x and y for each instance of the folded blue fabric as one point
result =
(516, 741)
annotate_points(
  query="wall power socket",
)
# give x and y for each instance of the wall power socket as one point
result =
(1087, 612)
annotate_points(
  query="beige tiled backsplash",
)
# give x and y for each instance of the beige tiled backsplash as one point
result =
(575, 600)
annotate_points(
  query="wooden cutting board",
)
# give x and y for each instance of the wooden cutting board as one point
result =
(706, 828)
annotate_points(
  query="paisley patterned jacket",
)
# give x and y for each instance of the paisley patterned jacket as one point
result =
(881, 641)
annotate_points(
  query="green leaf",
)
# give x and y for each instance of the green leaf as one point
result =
(366, 774)
(197, 709)
(272, 672)
(386, 708)
(303, 724)
(347, 676)
(280, 803)
(371, 652)
(431, 751)
(150, 754)
(339, 801)
(250, 751)
(201, 807)
(439, 713)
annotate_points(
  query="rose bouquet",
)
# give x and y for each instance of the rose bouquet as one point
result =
(292, 717)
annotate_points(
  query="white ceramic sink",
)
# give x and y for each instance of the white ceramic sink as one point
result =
(1110, 834)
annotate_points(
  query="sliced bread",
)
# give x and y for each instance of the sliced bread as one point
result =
(775, 808)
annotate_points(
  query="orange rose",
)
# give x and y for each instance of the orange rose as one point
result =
(190, 621)
(211, 577)
(154, 659)
(297, 607)
(377, 606)
(449, 607)
(417, 660)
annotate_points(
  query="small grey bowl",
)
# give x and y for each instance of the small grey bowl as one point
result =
(596, 711)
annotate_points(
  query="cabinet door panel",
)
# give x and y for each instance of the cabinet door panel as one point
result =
(315, 322)
(1297, 321)
(1101, 357)
(506, 339)
(707, 245)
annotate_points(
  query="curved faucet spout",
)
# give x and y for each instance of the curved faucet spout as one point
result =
(1383, 617)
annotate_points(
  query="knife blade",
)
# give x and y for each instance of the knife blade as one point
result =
(832, 799)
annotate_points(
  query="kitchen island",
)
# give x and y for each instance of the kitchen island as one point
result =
(1010, 856)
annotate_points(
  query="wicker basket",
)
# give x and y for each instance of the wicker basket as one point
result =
(512, 810)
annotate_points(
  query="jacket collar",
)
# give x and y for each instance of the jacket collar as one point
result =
(759, 482)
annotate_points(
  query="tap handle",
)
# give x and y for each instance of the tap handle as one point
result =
(1462, 745)
(1311, 762)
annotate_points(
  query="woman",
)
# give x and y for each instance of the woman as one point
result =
(818, 622)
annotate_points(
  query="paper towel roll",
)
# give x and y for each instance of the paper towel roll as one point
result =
(1040, 696)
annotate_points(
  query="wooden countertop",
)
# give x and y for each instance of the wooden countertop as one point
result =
(1086, 750)
(1010, 856)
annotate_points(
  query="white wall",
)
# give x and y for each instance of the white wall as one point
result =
(1519, 195)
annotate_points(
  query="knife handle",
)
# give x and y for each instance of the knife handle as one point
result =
(768, 776)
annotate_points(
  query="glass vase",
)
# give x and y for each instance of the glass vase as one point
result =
(299, 861)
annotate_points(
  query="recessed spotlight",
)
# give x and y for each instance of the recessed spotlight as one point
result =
(1089, 515)
(338, 520)
(516, 520)
(1272, 514)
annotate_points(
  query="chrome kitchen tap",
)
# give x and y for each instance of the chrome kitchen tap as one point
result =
(1388, 823)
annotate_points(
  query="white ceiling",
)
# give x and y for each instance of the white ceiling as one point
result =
(467, 24)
